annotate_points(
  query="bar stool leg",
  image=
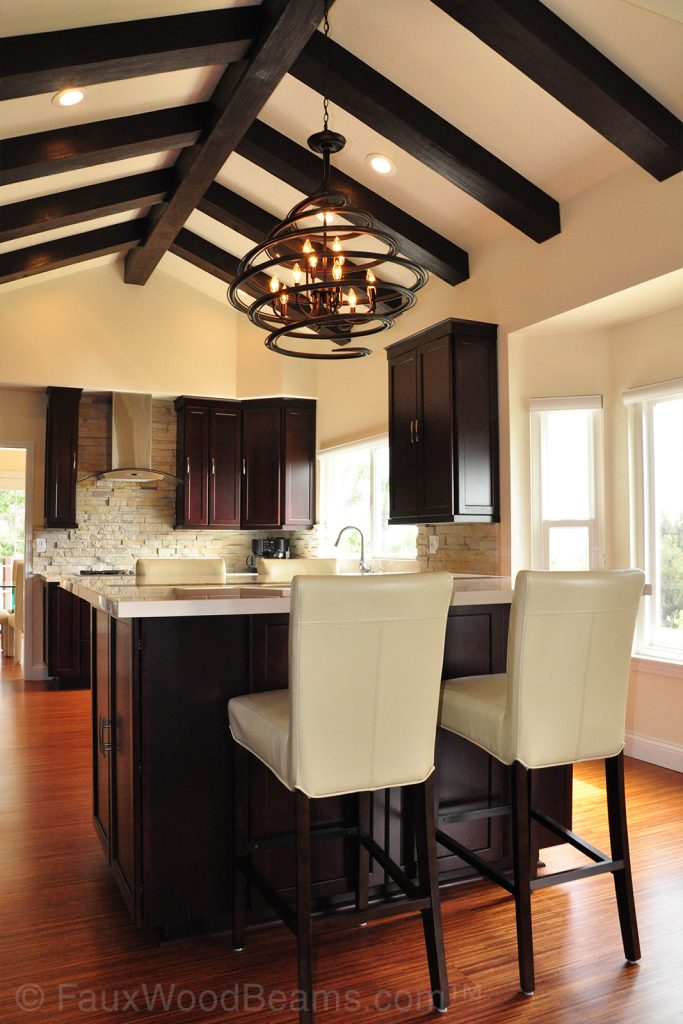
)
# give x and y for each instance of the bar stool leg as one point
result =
(521, 855)
(240, 845)
(303, 907)
(618, 834)
(363, 861)
(425, 836)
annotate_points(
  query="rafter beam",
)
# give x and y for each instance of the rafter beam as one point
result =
(205, 255)
(83, 145)
(530, 36)
(36, 259)
(17, 220)
(236, 213)
(240, 95)
(302, 169)
(49, 61)
(398, 116)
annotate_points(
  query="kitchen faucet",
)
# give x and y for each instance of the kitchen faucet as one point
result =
(364, 567)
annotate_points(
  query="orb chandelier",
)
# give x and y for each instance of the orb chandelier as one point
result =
(326, 275)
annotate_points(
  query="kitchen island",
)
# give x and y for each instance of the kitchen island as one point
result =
(165, 662)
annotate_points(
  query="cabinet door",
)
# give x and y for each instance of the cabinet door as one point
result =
(61, 457)
(476, 412)
(434, 431)
(261, 455)
(299, 466)
(403, 475)
(101, 727)
(63, 634)
(224, 471)
(124, 758)
(196, 466)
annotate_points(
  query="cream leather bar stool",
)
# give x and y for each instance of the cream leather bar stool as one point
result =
(365, 660)
(562, 700)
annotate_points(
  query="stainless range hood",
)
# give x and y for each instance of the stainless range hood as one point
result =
(131, 442)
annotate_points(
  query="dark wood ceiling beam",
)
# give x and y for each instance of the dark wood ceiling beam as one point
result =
(205, 255)
(530, 36)
(398, 116)
(49, 61)
(302, 169)
(17, 220)
(239, 96)
(83, 145)
(236, 213)
(36, 259)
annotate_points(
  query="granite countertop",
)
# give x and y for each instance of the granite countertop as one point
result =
(121, 597)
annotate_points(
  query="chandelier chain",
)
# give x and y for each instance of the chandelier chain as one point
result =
(326, 66)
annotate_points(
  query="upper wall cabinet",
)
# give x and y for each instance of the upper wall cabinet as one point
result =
(248, 465)
(209, 446)
(278, 463)
(61, 457)
(443, 425)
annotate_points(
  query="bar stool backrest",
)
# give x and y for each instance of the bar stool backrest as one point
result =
(18, 581)
(180, 570)
(365, 656)
(569, 652)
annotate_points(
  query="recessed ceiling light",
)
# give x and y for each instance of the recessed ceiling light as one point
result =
(380, 163)
(68, 97)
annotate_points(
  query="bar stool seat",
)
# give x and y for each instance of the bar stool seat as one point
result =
(562, 700)
(365, 658)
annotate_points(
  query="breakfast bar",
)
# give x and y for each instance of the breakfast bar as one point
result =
(165, 662)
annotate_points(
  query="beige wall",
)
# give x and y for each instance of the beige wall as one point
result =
(90, 330)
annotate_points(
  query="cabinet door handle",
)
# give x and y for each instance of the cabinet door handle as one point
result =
(104, 724)
(213, 467)
(187, 466)
(412, 431)
(74, 462)
(417, 431)
(244, 467)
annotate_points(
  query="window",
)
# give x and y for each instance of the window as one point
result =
(656, 451)
(566, 465)
(12, 514)
(354, 491)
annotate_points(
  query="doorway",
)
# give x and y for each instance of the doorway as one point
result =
(14, 527)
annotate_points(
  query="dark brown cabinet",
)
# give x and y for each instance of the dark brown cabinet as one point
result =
(68, 638)
(443, 425)
(116, 754)
(278, 463)
(246, 464)
(61, 457)
(209, 443)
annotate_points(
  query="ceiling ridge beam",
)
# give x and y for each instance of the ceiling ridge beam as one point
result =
(428, 137)
(302, 169)
(547, 50)
(17, 220)
(49, 61)
(62, 252)
(239, 96)
(98, 142)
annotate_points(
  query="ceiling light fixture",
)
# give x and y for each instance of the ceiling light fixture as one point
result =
(326, 274)
(68, 97)
(381, 163)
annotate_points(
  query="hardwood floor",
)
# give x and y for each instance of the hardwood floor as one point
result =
(68, 952)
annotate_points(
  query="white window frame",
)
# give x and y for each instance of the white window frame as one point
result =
(540, 527)
(370, 444)
(640, 404)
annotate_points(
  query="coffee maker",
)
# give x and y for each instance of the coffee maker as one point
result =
(267, 547)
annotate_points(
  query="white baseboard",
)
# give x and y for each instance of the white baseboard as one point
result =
(647, 748)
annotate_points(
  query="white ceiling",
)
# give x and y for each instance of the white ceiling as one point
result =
(414, 44)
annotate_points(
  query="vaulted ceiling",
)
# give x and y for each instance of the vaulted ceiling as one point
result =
(192, 135)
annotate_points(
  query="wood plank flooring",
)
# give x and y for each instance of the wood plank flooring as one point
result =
(69, 954)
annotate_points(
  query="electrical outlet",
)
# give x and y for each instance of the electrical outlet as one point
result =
(433, 545)
(41, 544)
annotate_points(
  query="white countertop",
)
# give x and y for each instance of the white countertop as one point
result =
(121, 597)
